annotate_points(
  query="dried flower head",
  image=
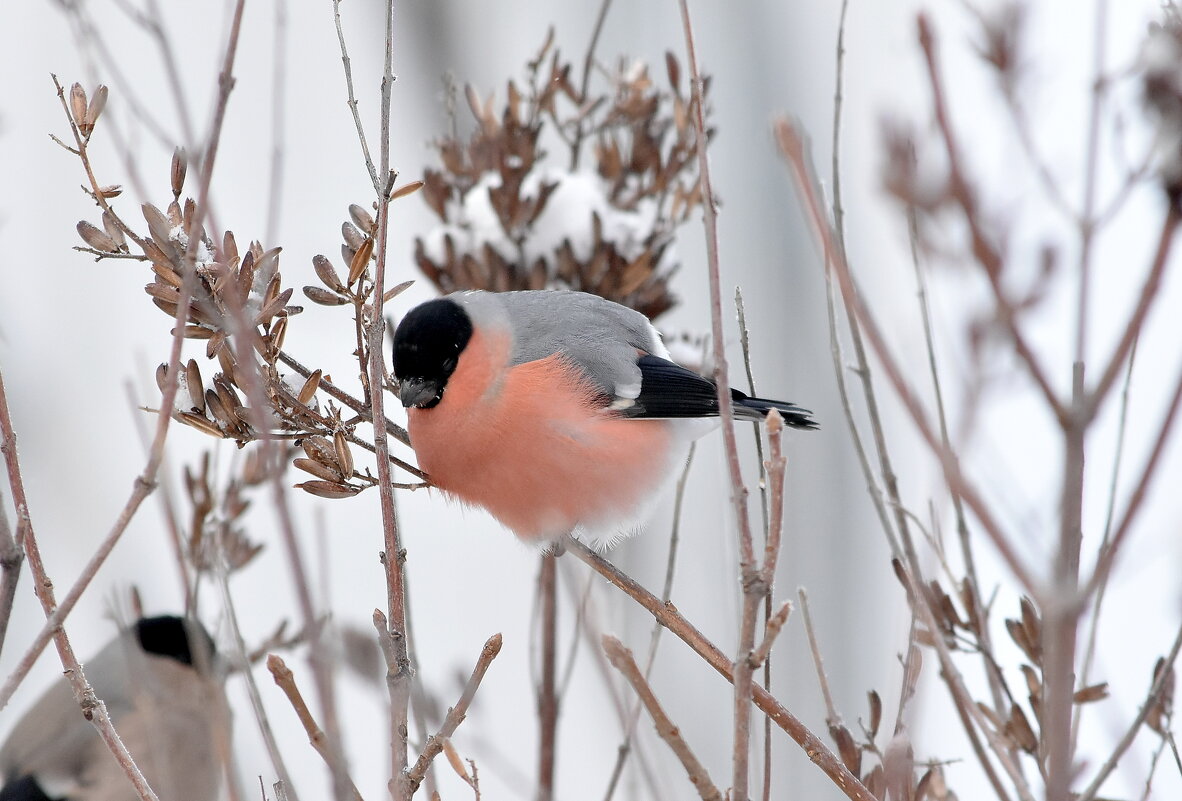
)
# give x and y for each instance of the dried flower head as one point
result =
(513, 219)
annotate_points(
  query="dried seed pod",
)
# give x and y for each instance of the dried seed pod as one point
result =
(308, 390)
(111, 226)
(1018, 729)
(344, 455)
(318, 469)
(164, 292)
(274, 306)
(406, 189)
(180, 167)
(394, 292)
(162, 376)
(278, 332)
(230, 250)
(218, 411)
(78, 104)
(850, 754)
(110, 191)
(158, 226)
(453, 759)
(189, 216)
(194, 386)
(198, 332)
(95, 108)
(327, 274)
(324, 297)
(875, 713)
(319, 449)
(352, 235)
(175, 217)
(362, 219)
(1094, 692)
(360, 261)
(167, 274)
(96, 238)
(327, 489)
(201, 424)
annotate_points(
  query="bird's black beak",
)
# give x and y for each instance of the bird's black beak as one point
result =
(418, 392)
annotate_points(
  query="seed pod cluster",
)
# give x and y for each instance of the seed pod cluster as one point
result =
(642, 146)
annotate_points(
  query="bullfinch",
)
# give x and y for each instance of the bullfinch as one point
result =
(156, 681)
(557, 411)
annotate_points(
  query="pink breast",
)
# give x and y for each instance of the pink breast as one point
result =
(529, 445)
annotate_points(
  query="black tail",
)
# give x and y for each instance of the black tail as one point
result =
(757, 408)
(668, 390)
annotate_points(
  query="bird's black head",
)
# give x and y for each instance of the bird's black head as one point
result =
(427, 347)
(171, 636)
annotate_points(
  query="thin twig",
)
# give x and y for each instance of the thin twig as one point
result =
(238, 653)
(1106, 539)
(774, 624)
(585, 81)
(792, 146)
(986, 254)
(1161, 682)
(352, 102)
(92, 706)
(12, 556)
(622, 659)
(547, 688)
(455, 715)
(984, 638)
(395, 557)
(753, 589)
(671, 619)
(654, 638)
(286, 681)
(832, 717)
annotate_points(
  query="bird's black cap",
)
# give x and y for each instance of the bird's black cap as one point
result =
(169, 635)
(427, 347)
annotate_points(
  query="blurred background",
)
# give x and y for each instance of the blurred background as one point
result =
(74, 334)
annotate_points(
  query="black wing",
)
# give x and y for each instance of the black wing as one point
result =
(668, 390)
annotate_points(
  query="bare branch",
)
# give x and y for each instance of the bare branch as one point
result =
(622, 659)
(668, 617)
(455, 715)
(286, 681)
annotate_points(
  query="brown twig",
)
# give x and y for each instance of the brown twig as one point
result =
(92, 706)
(585, 81)
(352, 102)
(622, 659)
(772, 630)
(792, 146)
(753, 588)
(12, 557)
(983, 249)
(1163, 680)
(239, 653)
(395, 557)
(455, 715)
(547, 689)
(671, 619)
(285, 679)
(654, 638)
(832, 717)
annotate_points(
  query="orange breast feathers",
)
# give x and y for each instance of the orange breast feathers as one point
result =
(530, 445)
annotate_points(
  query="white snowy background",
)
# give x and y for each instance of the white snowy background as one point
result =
(72, 332)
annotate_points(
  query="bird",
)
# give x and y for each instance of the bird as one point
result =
(559, 412)
(157, 679)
